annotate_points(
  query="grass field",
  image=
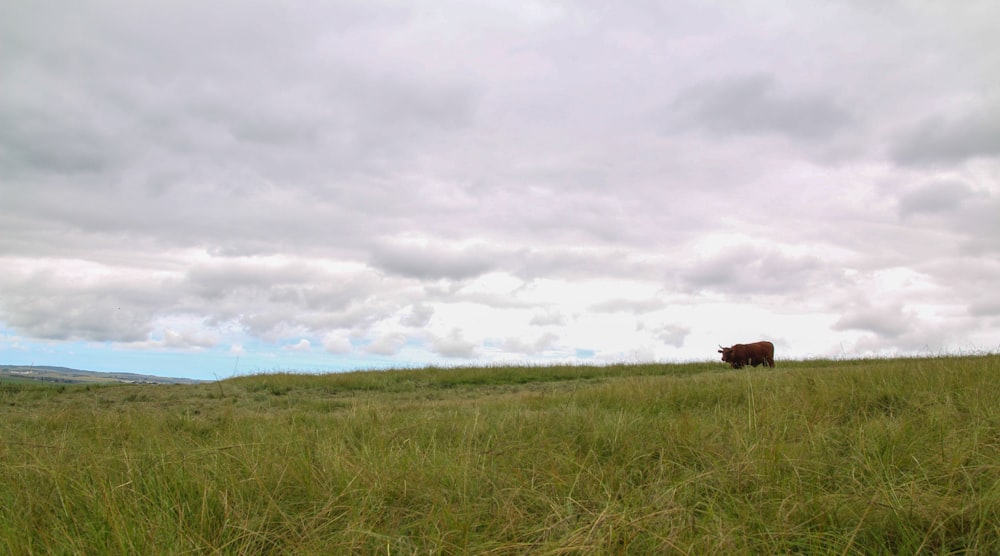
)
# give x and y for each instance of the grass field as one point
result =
(895, 456)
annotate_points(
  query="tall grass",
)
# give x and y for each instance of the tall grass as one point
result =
(856, 457)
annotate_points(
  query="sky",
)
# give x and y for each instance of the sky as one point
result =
(203, 189)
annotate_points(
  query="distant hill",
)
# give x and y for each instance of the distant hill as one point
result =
(63, 375)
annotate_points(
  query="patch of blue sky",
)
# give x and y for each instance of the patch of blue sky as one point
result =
(220, 362)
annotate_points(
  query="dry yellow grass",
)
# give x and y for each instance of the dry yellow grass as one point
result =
(847, 457)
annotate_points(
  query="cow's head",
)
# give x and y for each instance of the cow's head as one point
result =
(727, 353)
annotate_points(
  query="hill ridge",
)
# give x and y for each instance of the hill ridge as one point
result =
(67, 375)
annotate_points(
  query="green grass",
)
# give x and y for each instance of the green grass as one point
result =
(896, 456)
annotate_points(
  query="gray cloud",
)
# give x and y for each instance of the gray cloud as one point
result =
(454, 345)
(53, 309)
(391, 182)
(388, 344)
(987, 306)
(578, 262)
(955, 208)
(757, 269)
(935, 198)
(635, 306)
(550, 318)
(936, 140)
(417, 260)
(419, 316)
(753, 103)
(673, 335)
(530, 346)
(266, 298)
(888, 322)
(82, 316)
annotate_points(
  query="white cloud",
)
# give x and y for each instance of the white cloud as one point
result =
(337, 343)
(302, 345)
(454, 345)
(387, 344)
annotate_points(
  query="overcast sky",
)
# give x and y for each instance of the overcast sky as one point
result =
(202, 188)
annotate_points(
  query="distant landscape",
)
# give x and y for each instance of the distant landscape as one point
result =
(881, 456)
(63, 375)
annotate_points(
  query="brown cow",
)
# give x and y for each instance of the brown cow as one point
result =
(739, 355)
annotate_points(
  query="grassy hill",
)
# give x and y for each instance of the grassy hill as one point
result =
(845, 457)
(63, 375)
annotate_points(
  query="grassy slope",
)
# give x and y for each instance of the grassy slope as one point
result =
(863, 457)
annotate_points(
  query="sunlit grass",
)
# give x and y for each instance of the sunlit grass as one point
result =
(855, 457)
